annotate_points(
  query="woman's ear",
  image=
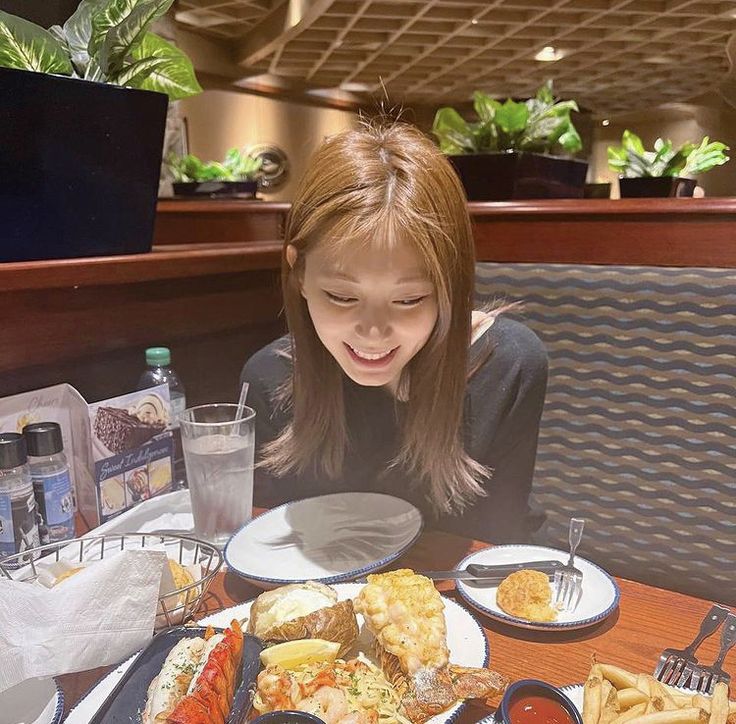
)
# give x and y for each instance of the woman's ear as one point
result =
(291, 255)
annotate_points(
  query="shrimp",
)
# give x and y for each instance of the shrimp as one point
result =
(275, 689)
(328, 703)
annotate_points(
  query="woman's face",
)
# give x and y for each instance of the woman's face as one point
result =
(373, 309)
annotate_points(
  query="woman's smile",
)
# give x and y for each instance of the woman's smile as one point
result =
(371, 359)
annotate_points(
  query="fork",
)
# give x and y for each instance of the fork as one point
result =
(673, 662)
(704, 678)
(568, 581)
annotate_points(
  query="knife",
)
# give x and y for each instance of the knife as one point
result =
(493, 575)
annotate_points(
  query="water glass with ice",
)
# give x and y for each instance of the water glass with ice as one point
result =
(218, 442)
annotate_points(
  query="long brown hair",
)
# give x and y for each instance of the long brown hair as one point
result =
(376, 185)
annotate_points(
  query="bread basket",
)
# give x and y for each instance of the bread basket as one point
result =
(174, 607)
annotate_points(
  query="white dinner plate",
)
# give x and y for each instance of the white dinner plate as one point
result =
(465, 638)
(330, 538)
(574, 693)
(600, 592)
(35, 701)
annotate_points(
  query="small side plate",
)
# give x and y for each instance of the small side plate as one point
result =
(127, 700)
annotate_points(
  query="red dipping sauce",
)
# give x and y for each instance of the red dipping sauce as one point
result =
(537, 709)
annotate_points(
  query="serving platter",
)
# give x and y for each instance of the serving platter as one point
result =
(330, 538)
(600, 591)
(466, 640)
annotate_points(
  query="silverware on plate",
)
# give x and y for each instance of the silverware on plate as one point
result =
(488, 575)
(568, 580)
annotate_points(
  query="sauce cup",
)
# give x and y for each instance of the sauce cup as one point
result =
(538, 695)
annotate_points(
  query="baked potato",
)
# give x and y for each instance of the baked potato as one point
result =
(303, 611)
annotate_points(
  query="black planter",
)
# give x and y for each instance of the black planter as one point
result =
(79, 167)
(217, 189)
(505, 176)
(656, 187)
(597, 191)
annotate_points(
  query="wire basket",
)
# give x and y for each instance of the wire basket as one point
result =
(174, 607)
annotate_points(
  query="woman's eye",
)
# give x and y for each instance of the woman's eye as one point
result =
(338, 299)
(411, 302)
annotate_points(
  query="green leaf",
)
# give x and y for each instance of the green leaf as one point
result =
(175, 77)
(570, 139)
(78, 33)
(632, 142)
(511, 117)
(705, 157)
(453, 132)
(27, 46)
(120, 26)
(544, 93)
(135, 73)
(485, 106)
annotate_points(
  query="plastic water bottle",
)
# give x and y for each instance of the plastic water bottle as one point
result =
(159, 371)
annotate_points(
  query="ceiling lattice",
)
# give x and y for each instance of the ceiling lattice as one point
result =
(619, 55)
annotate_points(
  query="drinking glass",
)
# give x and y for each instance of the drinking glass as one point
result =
(218, 442)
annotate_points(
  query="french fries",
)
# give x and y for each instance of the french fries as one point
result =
(612, 695)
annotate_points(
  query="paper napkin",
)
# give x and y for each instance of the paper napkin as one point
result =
(98, 616)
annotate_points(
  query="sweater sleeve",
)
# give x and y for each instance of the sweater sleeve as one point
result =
(265, 372)
(506, 397)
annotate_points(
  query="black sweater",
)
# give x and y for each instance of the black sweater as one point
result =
(503, 405)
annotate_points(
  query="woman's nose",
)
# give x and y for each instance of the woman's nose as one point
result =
(373, 324)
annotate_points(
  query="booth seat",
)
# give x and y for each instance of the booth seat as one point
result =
(638, 433)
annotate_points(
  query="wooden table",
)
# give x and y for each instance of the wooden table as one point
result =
(648, 619)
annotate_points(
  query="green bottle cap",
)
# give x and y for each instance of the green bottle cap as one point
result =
(158, 356)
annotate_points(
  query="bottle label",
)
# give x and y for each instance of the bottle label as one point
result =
(56, 506)
(18, 527)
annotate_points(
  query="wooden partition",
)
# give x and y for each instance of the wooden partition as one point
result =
(209, 289)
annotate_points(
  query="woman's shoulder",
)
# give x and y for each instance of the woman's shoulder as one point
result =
(270, 365)
(509, 347)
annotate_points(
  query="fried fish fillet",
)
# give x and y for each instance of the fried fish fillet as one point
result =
(405, 613)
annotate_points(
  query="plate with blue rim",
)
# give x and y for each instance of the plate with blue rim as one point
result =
(34, 701)
(466, 641)
(330, 538)
(599, 600)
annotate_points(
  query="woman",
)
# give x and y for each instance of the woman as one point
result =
(389, 381)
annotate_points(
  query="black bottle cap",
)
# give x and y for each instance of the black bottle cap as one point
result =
(12, 450)
(43, 438)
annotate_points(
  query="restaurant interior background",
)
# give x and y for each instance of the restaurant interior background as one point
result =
(287, 73)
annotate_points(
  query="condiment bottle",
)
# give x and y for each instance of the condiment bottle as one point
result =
(18, 525)
(52, 483)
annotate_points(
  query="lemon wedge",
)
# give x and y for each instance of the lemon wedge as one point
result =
(291, 654)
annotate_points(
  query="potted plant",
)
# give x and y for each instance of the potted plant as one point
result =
(665, 171)
(514, 150)
(82, 119)
(236, 175)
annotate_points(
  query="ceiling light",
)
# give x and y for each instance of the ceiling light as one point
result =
(474, 21)
(549, 54)
(354, 87)
(658, 60)
(605, 122)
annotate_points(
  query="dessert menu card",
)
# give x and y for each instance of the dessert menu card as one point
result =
(120, 451)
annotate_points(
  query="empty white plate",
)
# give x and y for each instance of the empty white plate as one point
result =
(330, 538)
(599, 599)
(465, 638)
(35, 701)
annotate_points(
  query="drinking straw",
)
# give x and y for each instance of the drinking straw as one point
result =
(243, 395)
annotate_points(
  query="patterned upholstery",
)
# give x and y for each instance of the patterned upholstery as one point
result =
(638, 433)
